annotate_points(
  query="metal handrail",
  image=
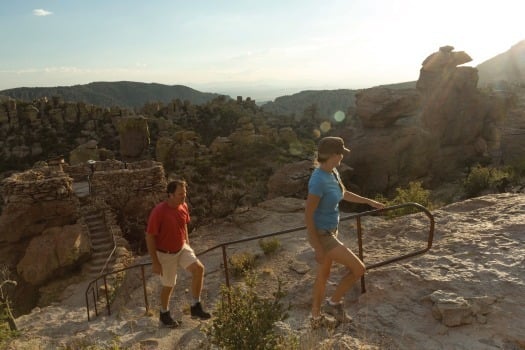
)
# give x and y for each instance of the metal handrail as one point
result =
(112, 250)
(223, 246)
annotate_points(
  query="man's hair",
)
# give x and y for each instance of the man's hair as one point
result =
(172, 185)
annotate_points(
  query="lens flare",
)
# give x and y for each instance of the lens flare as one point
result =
(339, 116)
(325, 127)
(316, 133)
(295, 148)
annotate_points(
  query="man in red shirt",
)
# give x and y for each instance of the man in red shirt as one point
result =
(169, 247)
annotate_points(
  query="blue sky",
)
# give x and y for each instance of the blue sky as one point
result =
(261, 49)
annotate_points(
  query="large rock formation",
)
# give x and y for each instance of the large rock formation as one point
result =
(430, 133)
(134, 137)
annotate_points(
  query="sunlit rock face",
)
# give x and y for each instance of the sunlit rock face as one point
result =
(428, 133)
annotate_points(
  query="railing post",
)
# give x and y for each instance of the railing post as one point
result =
(87, 305)
(225, 262)
(107, 295)
(226, 273)
(360, 244)
(95, 301)
(144, 288)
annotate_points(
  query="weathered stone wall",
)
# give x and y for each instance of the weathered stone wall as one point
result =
(78, 172)
(36, 200)
(140, 179)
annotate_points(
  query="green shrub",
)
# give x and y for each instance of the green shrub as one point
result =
(6, 334)
(414, 192)
(269, 245)
(245, 320)
(242, 263)
(481, 179)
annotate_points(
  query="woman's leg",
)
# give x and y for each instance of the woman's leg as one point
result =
(356, 269)
(323, 272)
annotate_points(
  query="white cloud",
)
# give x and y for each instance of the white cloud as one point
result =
(41, 12)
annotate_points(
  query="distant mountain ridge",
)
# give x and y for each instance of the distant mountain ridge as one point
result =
(508, 66)
(125, 94)
(327, 102)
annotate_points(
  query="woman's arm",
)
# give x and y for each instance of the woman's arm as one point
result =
(312, 201)
(355, 198)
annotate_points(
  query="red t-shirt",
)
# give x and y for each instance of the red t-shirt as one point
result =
(168, 225)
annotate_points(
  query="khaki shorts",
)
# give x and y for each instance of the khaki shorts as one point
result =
(170, 262)
(328, 239)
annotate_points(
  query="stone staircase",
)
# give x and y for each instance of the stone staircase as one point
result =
(101, 241)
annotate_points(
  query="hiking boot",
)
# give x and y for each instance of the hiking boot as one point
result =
(323, 321)
(317, 322)
(337, 311)
(197, 312)
(166, 320)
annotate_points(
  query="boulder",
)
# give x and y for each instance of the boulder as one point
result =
(382, 107)
(291, 180)
(55, 251)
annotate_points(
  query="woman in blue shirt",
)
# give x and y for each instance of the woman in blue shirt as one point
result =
(325, 191)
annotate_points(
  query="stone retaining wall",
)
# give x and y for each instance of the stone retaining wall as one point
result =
(133, 180)
(36, 185)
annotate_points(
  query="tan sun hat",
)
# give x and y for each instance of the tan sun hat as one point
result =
(332, 145)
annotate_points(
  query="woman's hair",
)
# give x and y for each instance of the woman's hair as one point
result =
(339, 181)
(321, 158)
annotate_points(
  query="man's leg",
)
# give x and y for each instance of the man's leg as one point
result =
(197, 280)
(168, 279)
(165, 295)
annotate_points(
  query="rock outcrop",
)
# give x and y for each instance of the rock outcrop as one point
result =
(430, 133)
(53, 253)
(36, 200)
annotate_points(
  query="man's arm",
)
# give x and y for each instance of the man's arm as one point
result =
(186, 233)
(152, 250)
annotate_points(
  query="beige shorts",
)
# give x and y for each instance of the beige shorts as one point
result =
(328, 239)
(170, 262)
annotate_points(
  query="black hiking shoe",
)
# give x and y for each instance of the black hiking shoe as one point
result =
(166, 320)
(197, 312)
(337, 311)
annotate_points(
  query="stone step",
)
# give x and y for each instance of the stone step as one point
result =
(98, 230)
(105, 246)
(101, 239)
(93, 216)
(101, 255)
(97, 226)
(95, 267)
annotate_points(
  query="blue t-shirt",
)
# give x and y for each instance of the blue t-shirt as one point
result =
(325, 185)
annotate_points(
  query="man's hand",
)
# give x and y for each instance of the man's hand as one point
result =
(156, 268)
